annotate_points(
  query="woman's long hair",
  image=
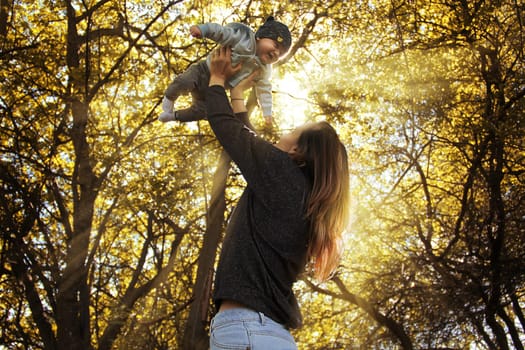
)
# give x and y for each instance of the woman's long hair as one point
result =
(322, 153)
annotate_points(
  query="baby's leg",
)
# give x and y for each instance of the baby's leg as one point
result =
(184, 83)
(196, 111)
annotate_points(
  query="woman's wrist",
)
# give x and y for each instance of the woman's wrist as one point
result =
(215, 80)
(236, 93)
(237, 102)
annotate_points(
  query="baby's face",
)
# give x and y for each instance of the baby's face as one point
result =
(267, 50)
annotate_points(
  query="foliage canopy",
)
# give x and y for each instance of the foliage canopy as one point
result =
(111, 221)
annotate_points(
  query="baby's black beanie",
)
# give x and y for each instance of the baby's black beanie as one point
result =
(277, 31)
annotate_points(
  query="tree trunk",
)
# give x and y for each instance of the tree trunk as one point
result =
(73, 299)
(4, 16)
(73, 331)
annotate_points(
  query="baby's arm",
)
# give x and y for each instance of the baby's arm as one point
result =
(263, 90)
(223, 35)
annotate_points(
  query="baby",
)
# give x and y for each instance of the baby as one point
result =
(254, 51)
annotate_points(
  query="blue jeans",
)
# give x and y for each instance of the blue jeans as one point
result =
(248, 330)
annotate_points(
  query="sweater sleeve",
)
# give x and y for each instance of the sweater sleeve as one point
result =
(263, 90)
(228, 35)
(269, 171)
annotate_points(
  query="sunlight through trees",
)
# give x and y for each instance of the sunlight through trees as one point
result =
(111, 220)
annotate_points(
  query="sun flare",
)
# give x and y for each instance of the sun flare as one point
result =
(290, 103)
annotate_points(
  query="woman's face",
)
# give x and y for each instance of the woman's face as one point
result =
(288, 142)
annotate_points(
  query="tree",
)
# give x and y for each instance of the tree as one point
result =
(111, 221)
(64, 153)
(447, 163)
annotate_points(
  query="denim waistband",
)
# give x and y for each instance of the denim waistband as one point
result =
(240, 314)
(241, 328)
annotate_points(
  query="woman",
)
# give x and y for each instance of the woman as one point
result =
(293, 211)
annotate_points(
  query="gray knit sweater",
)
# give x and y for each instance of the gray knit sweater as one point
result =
(266, 240)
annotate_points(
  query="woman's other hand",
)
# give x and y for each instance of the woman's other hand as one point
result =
(221, 66)
(247, 82)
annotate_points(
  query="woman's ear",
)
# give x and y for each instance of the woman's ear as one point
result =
(293, 152)
(297, 157)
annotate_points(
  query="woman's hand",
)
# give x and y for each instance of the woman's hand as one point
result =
(244, 84)
(221, 66)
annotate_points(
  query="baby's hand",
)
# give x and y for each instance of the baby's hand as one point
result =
(268, 120)
(195, 32)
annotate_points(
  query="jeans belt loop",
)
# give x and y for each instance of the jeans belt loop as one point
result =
(262, 318)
